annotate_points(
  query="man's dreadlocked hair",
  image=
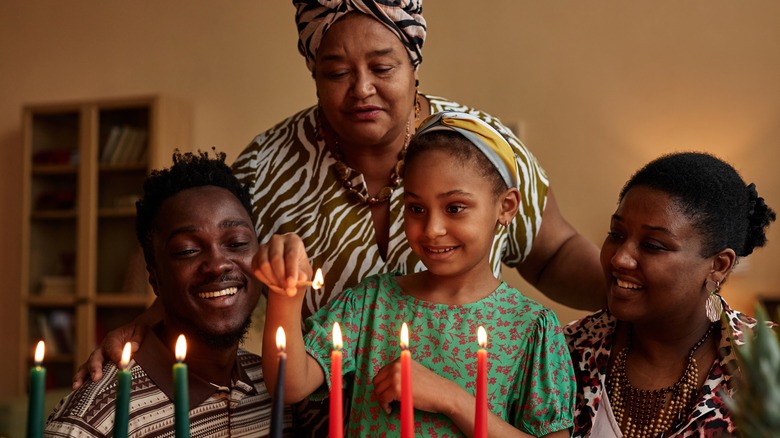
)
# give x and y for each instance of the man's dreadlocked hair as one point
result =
(188, 170)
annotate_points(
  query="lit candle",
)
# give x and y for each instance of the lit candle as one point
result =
(181, 399)
(122, 409)
(277, 410)
(480, 419)
(336, 415)
(407, 405)
(37, 384)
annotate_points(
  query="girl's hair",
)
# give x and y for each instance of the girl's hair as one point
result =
(726, 212)
(459, 147)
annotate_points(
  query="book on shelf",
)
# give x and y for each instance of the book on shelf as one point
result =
(56, 330)
(110, 147)
(130, 146)
(57, 285)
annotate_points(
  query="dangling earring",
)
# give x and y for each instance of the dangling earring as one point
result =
(713, 306)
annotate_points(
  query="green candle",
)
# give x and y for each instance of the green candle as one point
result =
(37, 386)
(181, 399)
(122, 410)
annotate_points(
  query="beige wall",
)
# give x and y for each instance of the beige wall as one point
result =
(598, 88)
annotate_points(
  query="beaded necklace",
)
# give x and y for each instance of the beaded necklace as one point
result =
(645, 411)
(344, 173)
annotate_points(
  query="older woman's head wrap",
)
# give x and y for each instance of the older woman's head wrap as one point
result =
(479, 133)
(403, 17)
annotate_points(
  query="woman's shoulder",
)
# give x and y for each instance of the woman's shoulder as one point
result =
(284, 133)
(590, 329)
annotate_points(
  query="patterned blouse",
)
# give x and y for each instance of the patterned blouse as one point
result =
(590, 343)
(294, 189)
(530, 379)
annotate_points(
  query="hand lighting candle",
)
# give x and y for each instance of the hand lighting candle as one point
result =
(181, 399)
(480, 419)
(277, 410)
(407, 405)
(122, 410)
(37, 384)
(336, 404)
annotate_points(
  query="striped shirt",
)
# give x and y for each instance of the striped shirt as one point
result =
(291, 178)
(241, 410)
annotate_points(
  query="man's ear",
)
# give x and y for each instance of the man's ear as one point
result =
(153, 280)
(509, 203)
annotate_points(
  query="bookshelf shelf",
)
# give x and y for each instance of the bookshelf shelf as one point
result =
(84, 166)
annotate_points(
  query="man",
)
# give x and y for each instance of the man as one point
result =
(195, 228)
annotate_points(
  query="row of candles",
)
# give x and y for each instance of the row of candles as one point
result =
(181, 399)
(407, 405)
(35, 421)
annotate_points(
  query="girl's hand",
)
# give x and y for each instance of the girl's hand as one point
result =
(430, 391)
(281, 263)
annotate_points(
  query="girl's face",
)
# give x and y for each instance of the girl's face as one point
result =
(451, 214)
(365, 81)
(651, 260)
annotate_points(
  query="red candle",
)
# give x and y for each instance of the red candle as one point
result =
(480, 418)
(336, 414)
(407, 405)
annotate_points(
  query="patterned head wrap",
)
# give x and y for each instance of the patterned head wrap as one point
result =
(483, 136)
(403, 17)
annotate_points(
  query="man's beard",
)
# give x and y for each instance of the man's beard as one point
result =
(223, 340)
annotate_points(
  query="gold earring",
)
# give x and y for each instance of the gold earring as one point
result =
(713, 306)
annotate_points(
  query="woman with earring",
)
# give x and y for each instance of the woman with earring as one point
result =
(656, 361)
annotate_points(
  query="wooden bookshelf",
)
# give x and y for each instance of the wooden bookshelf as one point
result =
(82, 269)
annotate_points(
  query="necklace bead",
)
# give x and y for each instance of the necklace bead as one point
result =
(646, 413)
(344, 173)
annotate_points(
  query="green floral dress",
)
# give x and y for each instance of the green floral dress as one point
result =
(530, 379)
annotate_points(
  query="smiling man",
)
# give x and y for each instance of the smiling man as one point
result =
(195, 229)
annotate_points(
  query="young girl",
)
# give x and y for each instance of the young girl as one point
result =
(461, 190)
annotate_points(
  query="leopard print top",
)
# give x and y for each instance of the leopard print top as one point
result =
(590, 343)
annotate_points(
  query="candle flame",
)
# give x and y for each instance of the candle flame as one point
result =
(404, 336)
(125, 356)
(280, 339)
(181, 348)
(39, 350)
(318, 281)
(481, 337)
(337, 343)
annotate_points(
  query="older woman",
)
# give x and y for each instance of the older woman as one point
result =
(656, 361)
(325, 182)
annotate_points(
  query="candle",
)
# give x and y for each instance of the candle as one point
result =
(407, 405)
(336, 414)
(181, 399)
(277, 410)
(37, 383)
(480, 415)
(122, 409)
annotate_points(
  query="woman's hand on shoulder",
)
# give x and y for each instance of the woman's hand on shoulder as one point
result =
(281, 263)
(110, 349)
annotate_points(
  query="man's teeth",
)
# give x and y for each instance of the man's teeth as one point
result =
(439, 251)
(219, 293)
(627, 285)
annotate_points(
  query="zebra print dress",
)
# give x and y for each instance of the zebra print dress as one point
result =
(294, 189)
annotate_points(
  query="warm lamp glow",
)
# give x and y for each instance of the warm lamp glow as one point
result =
(318, 281)
(181, 348)
(404, 336)
(481, 337)
(39, 350)
(337, 343)
(281, 341)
